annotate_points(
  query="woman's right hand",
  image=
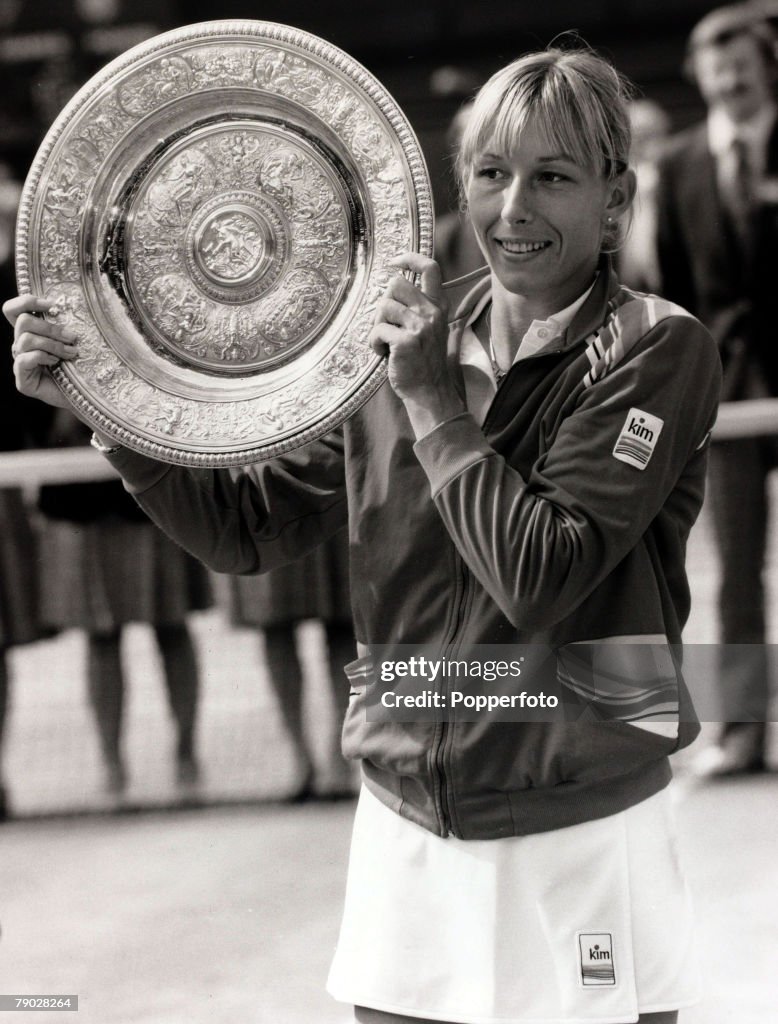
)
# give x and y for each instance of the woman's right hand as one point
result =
(38, 345)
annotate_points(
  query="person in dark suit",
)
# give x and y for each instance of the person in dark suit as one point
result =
(717, 249)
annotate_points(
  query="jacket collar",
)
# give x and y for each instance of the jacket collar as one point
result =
(585, 322)
(594, 311)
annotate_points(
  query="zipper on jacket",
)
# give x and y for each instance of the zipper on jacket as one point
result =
(451, 642)
(441, 802)
(440, 747)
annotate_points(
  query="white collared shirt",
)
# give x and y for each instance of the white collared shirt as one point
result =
(480, 382)
(723, 132)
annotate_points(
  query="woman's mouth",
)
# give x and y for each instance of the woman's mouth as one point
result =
(521, 248)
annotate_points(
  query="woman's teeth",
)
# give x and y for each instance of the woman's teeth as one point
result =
(521, 247)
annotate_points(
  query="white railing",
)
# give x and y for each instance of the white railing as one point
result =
(75, 465)
(53, 466)
(753, 418)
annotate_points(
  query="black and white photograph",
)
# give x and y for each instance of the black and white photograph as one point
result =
(389, 548)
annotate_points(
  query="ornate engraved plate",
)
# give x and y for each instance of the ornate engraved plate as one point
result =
(214, 214)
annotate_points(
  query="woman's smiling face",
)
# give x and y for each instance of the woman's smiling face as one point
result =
(539, 217)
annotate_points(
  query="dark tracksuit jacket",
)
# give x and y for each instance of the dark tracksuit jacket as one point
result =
(563, 518)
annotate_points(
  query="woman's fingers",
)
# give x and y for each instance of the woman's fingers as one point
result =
(410, 324)
(38, 345)
(28, 342)
(31, 372)
(392, 311)
(32, 333)
(383, 337)
(46, 337)
(431, 278)
(14, 308)
(29, 363)
(407, 306)
(32, 376)
(411, 295)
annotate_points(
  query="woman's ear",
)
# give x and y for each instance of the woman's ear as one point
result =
(622, 193)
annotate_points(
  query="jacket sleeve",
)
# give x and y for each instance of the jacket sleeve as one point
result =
(539, 546)
(247, 520)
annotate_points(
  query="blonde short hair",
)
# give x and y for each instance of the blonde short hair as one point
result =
(578, 99)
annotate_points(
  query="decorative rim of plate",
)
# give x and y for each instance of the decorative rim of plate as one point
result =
(232, 30)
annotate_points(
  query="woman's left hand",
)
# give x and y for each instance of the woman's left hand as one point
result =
(411, 327)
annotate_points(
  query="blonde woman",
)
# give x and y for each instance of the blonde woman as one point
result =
(529, 474)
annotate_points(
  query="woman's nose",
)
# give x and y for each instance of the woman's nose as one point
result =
(517, 203)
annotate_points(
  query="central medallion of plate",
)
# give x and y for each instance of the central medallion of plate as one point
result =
(232, 244)
(239, 244)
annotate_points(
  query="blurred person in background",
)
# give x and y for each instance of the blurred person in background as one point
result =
(638, 262)
(718, 253)
(456, 248)
(106, 565)
(19, 622)
(314, 587)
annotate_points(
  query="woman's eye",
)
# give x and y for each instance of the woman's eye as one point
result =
(490, 173)
(553, 177)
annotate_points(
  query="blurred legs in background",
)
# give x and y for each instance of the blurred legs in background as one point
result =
(286, 679)
(106, 697)
(3, 713)
(739, 504)
(182, 681)
(19, 621)
(315, 587)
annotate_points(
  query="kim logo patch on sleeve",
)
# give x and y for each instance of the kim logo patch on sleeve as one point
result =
(638, 438)
(596, 953)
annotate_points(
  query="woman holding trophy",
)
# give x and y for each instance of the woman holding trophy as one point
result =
(529, 473)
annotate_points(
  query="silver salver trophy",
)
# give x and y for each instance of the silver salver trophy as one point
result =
(214, 213)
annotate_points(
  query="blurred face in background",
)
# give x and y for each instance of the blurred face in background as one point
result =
(733, 75)
(10, 194)
(650, 130)
(98, 11)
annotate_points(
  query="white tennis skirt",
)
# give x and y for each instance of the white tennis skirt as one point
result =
(587, 923)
